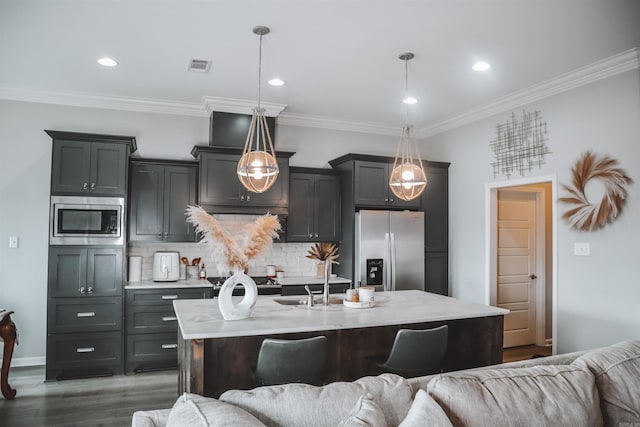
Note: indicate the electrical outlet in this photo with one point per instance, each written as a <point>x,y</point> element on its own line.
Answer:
<point>581,249</point>
<point>13,242</point>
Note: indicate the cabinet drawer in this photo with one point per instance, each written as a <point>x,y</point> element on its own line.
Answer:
<point>164,296</point>
<point>80,315</point>
<point>157,318</point>
<point>72,355</point>
<point>152,351</point>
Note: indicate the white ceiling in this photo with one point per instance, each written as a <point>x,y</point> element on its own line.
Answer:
<point>339,58</point>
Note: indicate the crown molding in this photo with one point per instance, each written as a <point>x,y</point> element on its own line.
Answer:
<point>608,67</point>
<point>239,106</point>
<point>318,122</point>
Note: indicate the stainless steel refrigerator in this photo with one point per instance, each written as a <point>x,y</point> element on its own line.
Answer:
<point>389,249</point>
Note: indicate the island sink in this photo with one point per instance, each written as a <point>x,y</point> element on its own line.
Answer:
<point>298,301</point>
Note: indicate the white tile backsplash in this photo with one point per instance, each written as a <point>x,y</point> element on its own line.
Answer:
<point>288,257</point>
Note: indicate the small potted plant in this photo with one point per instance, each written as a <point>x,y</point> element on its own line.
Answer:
<point>328,254</point>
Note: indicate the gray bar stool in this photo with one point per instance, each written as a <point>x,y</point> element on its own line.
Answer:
<point>291,361</point>
<point>415,353</point>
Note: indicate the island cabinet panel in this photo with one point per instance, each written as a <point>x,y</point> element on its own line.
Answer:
<point>160,193</point>
<point>152,327</point>
<point>314,206</point>
<point>220,190</point>
<point>83,167</point>
<point>212,366</point>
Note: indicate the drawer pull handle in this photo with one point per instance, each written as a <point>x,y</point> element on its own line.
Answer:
<point>85,350</point>
<point>169,296</point>
<point>169,318</point>
<point>86,314</point>
<point>168,346</point>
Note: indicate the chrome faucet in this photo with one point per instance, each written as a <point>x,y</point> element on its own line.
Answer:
<point>309,296</point>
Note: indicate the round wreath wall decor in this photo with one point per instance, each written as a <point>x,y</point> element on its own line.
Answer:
<point>587,216</point>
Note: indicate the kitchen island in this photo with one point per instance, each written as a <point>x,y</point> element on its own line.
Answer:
<point>215,355</point>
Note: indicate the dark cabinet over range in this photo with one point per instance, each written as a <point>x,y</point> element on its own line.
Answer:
<point>314,205</point>
<point>160,192</point>
<point>89,164</point>
<point>220,190</point>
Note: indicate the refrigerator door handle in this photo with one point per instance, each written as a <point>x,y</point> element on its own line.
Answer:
<point>393,262</point>
<point>387,263</point>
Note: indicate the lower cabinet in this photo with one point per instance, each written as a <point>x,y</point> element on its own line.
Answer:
<point>75,355</point>
<point>152,329</point>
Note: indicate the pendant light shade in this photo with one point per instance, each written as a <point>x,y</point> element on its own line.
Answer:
<point>258,169</point>
<point>407,180</point>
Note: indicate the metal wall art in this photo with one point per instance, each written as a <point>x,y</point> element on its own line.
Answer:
<point>519,144</point>
<point>587,216</point>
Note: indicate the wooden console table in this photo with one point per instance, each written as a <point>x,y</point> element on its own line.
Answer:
<point>8,335</point>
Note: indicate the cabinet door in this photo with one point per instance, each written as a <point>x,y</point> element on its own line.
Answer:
<point>278,194</point>
<point>327,208</point>
<point>436,273</point>
<point>70,167</point>
<point>301,207</point>
<point>179,192</point>
<point>67,271</point>
<point>435,204</point>
<point>147,204</point>
<point>219,183</point>
<point>371,183</point>
<point>104,272</point>
<point>108,169</point>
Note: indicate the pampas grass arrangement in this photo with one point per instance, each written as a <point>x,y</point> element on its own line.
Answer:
<point>232,253</point>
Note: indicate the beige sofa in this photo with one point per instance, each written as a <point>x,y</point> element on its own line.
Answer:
<point>595,388</point>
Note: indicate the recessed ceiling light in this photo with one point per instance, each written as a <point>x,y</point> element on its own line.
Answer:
<point>410,100</point>
<point>107,62</point>
<point>481,66</point>
<point>276,82</point>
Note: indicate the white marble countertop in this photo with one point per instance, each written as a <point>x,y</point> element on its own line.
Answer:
<point>202,318</point>
<point>150,284</point>
<point>309,280</point>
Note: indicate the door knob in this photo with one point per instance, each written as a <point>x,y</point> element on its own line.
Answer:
<point>533,276</point>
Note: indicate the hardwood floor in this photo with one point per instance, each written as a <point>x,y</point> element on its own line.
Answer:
<point>106,401</point>
<point>525,352</point>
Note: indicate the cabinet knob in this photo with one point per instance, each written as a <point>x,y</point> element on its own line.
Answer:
<point>93,186</point>
<point>316,235</point>
<point>242,198</point>
<point>390,200</point>
<point>85,186</point>
<point>386,199</point>
<point>248,198</point>
<point>82,289</point>
<point>89,290</point>
<point>166,234</point>
<point>310,235</point>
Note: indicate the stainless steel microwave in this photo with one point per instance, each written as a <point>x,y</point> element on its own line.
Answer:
<point>86,220</point>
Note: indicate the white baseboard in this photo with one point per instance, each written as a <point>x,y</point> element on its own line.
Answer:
<point>27,361</point>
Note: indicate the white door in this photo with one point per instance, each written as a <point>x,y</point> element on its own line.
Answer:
<point>516,266</point>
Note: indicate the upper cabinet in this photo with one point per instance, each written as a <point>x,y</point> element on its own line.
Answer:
<point>220,190</point>
<point>90,164</point>
<point>160,193</point>
<point>368,182</point>
<point>435,204</point>
<point>314,206</point>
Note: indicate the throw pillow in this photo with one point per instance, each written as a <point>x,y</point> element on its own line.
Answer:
<point>425,411</point>
<point>538,396</point>
<point>192,410</point>
<point>617,372</point>
<point>365,414</point>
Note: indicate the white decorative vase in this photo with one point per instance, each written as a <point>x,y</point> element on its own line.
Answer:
<point>242,310</point>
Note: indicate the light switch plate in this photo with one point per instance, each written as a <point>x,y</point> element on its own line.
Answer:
<point>13,242</point>
<point>582,249</point>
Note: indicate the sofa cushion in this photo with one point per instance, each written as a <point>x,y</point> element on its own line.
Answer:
<point>365,414</point>
<point>617,372</point>
<point>425,411</point>
<point>306,405</point>
<point>192,410</point>
<point>536,396</point>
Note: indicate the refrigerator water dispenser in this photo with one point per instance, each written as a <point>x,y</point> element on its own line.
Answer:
<point>374,272</point>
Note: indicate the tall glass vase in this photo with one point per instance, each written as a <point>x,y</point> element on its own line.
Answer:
<point>327,274</point>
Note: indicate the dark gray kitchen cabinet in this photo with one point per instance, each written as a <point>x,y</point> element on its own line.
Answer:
<point>84,315</point>
<point>436,275</point>
<point>81,271</point>
<point>89,164</point>
<point>314,206</point>
<point>152,328</point>
<point>83,354</point>
<point>371,186</point>
<point>160,193</point>
<point>220,190</point>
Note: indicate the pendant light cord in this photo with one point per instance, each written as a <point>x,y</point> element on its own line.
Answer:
<point>259,71</point>
<point>406,88</point>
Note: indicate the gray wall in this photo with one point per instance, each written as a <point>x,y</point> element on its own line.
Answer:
<point>598,296</point>
<point>25,167</point>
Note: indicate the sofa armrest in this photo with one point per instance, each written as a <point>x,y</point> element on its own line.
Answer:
<point>157,418</point>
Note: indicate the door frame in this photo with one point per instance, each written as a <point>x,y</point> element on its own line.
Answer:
<point>491,252</point>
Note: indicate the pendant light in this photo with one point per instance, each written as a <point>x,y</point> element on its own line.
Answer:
<point>258,168</point>
<point>407,180</point>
